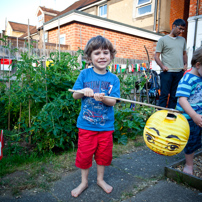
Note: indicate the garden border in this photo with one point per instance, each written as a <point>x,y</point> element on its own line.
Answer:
<point>181,177</point>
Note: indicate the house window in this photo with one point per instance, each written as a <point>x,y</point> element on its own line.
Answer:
<point>40,20</point>
<point>62,39</point>
<point>143,7</point>
<point>39,17</point>
<point>103,11</point>
<point>46,37</point>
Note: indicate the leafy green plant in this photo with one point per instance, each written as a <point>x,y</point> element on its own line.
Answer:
<point>128,124</point>
<point>39,103</point>
<point>55,125</point>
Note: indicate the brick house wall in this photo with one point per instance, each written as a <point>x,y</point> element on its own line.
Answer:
<point>192,8</point>
<point>127,46</point>
<point>179,9</point>
<point>176,10</point>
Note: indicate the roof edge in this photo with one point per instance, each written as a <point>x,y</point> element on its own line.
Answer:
<point>100,18</point>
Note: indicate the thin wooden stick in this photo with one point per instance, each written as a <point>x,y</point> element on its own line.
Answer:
<point>131,101</point>
<point>175,68</point>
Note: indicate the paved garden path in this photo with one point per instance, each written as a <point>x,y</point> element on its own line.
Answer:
<point>136,177</point>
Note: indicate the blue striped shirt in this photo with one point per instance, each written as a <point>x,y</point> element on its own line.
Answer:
<point>190,86</point>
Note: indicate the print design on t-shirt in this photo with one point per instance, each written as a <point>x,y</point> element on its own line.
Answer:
<point>95,111</point>
<point>197,96</point>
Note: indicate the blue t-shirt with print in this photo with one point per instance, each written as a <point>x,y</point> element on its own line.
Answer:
<point>190,86</point>
<point>95,115</point>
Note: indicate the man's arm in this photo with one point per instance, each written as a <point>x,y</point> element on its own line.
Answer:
<point>185,60</point>
<point>158,61</point>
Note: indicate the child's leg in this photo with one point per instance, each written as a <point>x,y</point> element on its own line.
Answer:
<point>100,179</point>
<point>86,149</point>
<point>188,168</point>
<point>84,183</point>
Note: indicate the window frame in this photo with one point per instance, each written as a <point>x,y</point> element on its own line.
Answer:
<point>40,20</point>
<point>150,1</point>
<point>136,7</point>
<point>62,36</point>
<point>46,37</point>
<point>99,14</point>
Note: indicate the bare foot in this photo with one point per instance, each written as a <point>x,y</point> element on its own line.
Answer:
<point>188,169</point>
<point>78,190</point>
<point>106,187</point>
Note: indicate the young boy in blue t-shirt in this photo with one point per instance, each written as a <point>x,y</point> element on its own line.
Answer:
<point>189,92</point>
<point>96,118</point>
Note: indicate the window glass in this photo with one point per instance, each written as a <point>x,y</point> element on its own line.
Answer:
<point>46,37</point>
<point>144,10</point>
<point>103,11</point>
<point>40,23</point>
<point>39,17</point>
<point>62,39</point>
<point>142,2</point>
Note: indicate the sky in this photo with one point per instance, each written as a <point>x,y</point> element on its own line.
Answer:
<point>22,10</point>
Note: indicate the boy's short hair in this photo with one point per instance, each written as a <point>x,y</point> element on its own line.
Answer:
<point>96,43</point>
<point>197,56</point>
<point>179,22</point>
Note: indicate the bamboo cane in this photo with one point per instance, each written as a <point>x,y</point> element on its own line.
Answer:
<point>147,69</point>
<point>44,63</point>
<point>30,138</point>
<point>9,84</point>
<point>20,107</point>
<point>175,69</point>
<point>131,101</point>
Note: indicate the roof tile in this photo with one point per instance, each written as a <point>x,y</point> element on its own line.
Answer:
<point>33,30</point>
<point>19,27</point>
<point>77,5</point>
<point>49,10</point>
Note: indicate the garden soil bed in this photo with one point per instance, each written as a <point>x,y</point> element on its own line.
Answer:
<point>175,172</point>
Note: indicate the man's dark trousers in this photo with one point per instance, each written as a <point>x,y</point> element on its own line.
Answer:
<point>169,83</point>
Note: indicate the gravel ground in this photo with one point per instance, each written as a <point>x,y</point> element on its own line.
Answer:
<point>197,167</point>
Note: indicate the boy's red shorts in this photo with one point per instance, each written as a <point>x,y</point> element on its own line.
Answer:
<point>98,143</point>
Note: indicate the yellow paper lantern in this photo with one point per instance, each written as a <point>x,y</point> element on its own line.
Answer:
<point>166,135</point>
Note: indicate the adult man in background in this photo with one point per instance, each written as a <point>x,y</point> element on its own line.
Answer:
<point>173,62</point>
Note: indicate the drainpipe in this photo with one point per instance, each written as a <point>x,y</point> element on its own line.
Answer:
<point>196,23</point>
<point>155,12</point>
<point>159,15</point>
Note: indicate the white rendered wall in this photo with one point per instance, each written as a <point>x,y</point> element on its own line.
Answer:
<point>190,36</point>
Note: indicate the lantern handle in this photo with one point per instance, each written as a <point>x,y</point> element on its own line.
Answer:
<point>131,101</point>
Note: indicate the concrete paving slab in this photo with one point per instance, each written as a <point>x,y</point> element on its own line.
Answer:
<point>125,174</point>
<point>145,163</point>
<point>166,191</point>
<point>33,197</point>
<point>120,180</point>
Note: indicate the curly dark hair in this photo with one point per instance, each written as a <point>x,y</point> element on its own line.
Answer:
<point>96,43</point>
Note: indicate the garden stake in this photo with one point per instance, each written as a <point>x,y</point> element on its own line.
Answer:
<point>131,101</point>
<point>30,138</point>
<point>148,67</point>
<point>9,84</point>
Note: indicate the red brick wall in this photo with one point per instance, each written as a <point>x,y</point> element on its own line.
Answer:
<point>179,9</point>
<point>176,10</point>
<point>192,8</point>
<point>127,46</point>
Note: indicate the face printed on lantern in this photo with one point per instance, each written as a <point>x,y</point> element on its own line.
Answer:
<point>165,135</point>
